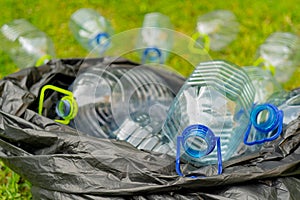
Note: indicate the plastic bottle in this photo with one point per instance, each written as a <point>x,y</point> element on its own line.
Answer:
<point>280,54</point>
<point>25,44</point>
<point>211,112</point>
<point>154,40</point>
<point>91,30</point>
<point>263,110</point>
<point>121,103</point>
<point>215,30</point>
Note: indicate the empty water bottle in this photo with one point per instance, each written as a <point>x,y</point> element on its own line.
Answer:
<point>118,102</point>
<point>215,30</point>
<point>265,116</point>
<point>91,30</point>
<point>154,39</point>
<point>26,45</point>
<point>264,83</point>
<point>280,54</point>
<point>210,114</point>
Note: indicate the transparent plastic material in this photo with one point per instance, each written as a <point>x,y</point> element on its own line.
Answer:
<point>156,37</point>
<point>264,83</point>
<point>265,117</point>
<point>91,30</point>
<point>280,54</point>
<point>26,45</point>
<point>291,109</point>
<point>212,107</point>
<point>219,28</point>
<point>132,103</point>
<point>289,103</point>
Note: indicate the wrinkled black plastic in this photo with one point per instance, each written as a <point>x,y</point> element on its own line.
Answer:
<point>64,164</point>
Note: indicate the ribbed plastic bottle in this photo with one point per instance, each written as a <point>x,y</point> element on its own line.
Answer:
<point>26,45</point>
<point>154,40</point>
<point>121,103</point>
<point>91,30</point>
<point>210,114</point>
<point>216,29</point>
<point>280,54</point>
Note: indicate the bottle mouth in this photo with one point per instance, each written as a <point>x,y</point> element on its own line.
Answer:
<point>152,54</point>
<point>270,112</point>
<point>66,108</point>
<point>274,120</point>
<point>198,140</point>
<point>101,40</point>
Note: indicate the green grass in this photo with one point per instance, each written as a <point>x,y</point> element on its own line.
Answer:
<point>12,186</point>
<point>258,20</point>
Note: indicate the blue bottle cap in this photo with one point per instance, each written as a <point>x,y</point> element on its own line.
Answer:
<point>102,40</point>
<point>274,121</point>
<point>271,123</point>
<point>153,53</point>
<point>198,140</point>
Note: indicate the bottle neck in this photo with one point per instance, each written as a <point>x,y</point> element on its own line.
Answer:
<point>264,117</point>
<point>66,108</point>
<point>198,140</point>
<point>152,54</point>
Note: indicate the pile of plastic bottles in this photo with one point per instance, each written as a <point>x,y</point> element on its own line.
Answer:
<point>220,110</point>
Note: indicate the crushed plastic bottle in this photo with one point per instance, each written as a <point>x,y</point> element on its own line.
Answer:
<point>26,45</point>
<point>154,39</point>
<point>91,30</point>
<point>215,30</point>
<point>211,112</point>
<point>280,54</point>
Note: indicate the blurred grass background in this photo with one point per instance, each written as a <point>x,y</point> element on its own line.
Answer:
<point>258,19</point>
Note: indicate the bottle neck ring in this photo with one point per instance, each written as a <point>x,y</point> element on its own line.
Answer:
<point>198,140</point>
<point>272,120</point>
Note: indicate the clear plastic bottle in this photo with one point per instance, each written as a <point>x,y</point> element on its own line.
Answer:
<point>220,27</point>
<point>280,54</point>
<point>211,112</point>
<point>91,30</point>
<point>26,45</point>
<point>121,103</point>
<point>265,116</point>
<point>154,39</point>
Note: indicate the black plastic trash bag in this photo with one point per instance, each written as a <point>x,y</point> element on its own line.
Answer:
<point>62,163</point>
